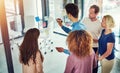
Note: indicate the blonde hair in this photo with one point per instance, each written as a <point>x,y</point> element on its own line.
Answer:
<point>109,21</point>
<point>80,43</point>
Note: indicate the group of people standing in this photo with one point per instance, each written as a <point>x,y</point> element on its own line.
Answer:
<point>81,59</point>
<point>85,49</point>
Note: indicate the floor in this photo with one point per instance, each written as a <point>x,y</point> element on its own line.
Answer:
<point>54,62</point>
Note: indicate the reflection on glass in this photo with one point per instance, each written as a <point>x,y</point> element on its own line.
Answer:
<point>0,36</point>
<point>112,7</point>
<point>14,30</point>
<point>3,65</point>
<point>13,18</point>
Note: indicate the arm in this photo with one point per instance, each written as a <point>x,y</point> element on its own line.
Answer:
<point>108,52</point>
<point>60,49</point>
<point>95,40</point>
<point>69,65</point>
<point>59,21</point>
<point>67,30</point>
<point>95,36</point>
<point>39,66</point>
<point>97,55</point>
<point>95,62</point>
<point>66,51</point>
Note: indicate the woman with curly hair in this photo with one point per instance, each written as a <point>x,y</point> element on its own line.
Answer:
<point>82,58</point>
<point>30,56</point>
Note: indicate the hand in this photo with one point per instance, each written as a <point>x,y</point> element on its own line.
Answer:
<point>59,21</point>
<point>100,58</point>
<point>59,49</point>
<point>95,40</point>
<point>97,56</point>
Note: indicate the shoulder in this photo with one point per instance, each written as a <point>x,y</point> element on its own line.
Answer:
<point>86,18</point>
<point>111,36</point>
<point>38,53</point>
<point>92,53</point>
<point>71,56</point>
<point>103,30</point>
<point>98,22</point>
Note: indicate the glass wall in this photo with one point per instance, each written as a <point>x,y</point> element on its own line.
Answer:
<point>57,10</point>
<point>14,25</point>
<point>13,18</point>
<point>112,8</point>
<point>88,3</point>
<point>0,36</point>
<point>3,65</point>
<point>5,55</point>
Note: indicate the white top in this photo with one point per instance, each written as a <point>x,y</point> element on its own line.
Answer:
<point>94,27</point>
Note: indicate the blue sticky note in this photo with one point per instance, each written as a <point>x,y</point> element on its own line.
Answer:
<point>37,19</point>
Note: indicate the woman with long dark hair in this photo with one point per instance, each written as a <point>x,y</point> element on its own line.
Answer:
<point>30,56</point>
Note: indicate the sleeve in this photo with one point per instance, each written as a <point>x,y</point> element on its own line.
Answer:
<point>69,65</point>
<point>66,51</point>
<point>39,66</point>
<point>67,30</point>
<point>95,62</point>
<point>111,38</point>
